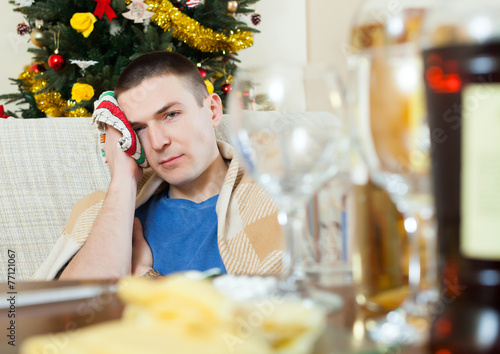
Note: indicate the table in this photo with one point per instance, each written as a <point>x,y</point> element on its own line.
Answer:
<point>92,303</point>
<point>58,316</point>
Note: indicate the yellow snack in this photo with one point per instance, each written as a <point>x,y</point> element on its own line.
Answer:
<point>179,315</point>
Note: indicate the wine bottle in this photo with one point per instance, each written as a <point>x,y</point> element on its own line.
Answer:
<point>462,78</point>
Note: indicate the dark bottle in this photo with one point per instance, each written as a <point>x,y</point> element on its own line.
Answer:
<point>462,79</point>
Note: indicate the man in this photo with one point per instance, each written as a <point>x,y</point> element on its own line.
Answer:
<point>166,101</point>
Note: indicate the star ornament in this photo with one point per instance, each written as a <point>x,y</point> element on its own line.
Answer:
<point>83,64</point>
<point>138,11</point>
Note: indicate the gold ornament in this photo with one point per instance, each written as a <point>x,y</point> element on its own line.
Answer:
<point>232,5</point>
<point>36,36</point>
<point>50,102</point>
<point>195,35</point>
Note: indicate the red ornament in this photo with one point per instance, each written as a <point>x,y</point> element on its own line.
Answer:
<point>2,112</point>
<point>226,88</point>
<point>37,68</point>
<point>255,19</point>
<point>22,29</point>
<point>203,72</point>
<point>57,61</point>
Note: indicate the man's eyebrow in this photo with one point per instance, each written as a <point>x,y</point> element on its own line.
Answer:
<point>165,108</point>
<point>157,113</point>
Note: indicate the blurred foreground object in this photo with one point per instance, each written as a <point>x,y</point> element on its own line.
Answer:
<point>395,262</point>
<point>462,75</point>
<point>186,314</point>
<point>287,126</point>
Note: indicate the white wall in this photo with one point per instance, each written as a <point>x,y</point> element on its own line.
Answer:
<point>283,32</point>
<point>302,31</point>
<point>291,30</point>
<point>329,23</point>
<point>14,49</point>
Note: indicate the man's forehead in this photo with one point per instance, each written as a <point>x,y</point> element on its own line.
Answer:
<point>147,87</point>
<point>159,89</point>
<point>152,84</point>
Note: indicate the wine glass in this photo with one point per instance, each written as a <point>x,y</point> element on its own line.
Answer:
<point>287,127</point>
<point>394,140</point>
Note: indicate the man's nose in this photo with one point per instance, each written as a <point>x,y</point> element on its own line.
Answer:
<point>158,137</point>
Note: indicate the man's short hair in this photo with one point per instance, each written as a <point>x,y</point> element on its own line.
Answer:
<point>162,63</point>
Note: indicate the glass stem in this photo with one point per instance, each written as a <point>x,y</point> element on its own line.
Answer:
<point>421,277</point>
<point>414,270</point>
<point>292,221</point>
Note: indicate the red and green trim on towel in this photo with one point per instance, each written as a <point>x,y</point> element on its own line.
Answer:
<point>107,111</point>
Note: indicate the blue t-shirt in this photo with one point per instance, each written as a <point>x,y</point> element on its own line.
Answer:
<point>182,234</point>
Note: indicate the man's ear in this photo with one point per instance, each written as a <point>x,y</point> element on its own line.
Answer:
<point>214,104</point>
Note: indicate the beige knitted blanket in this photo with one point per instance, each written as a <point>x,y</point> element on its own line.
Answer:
<point>249,235</point>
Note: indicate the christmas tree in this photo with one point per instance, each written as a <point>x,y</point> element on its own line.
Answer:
<point>81,46</point>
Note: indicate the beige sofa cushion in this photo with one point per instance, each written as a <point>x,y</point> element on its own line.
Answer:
<point>46,165</point>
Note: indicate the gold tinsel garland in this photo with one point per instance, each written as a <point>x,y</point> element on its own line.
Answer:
<point>50,102</point>
<point>192,33</point>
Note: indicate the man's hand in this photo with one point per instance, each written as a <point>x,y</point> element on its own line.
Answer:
<point>118,161</point>
<point>107,253</point>
<point>142,257</point>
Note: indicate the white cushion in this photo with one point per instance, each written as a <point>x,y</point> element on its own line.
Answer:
<point>46,165</point>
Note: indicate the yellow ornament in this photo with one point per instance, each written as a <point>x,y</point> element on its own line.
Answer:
<point>210,86</point>
<point>82,92</point>
<point>83,22</point>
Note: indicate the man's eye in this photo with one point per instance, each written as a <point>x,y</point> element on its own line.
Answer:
<point>138,130</point>
<point>171,115</point>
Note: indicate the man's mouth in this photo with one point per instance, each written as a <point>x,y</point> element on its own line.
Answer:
<point>170,161</point>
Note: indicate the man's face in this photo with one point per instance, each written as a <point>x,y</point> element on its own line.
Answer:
<point>176,133</point>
